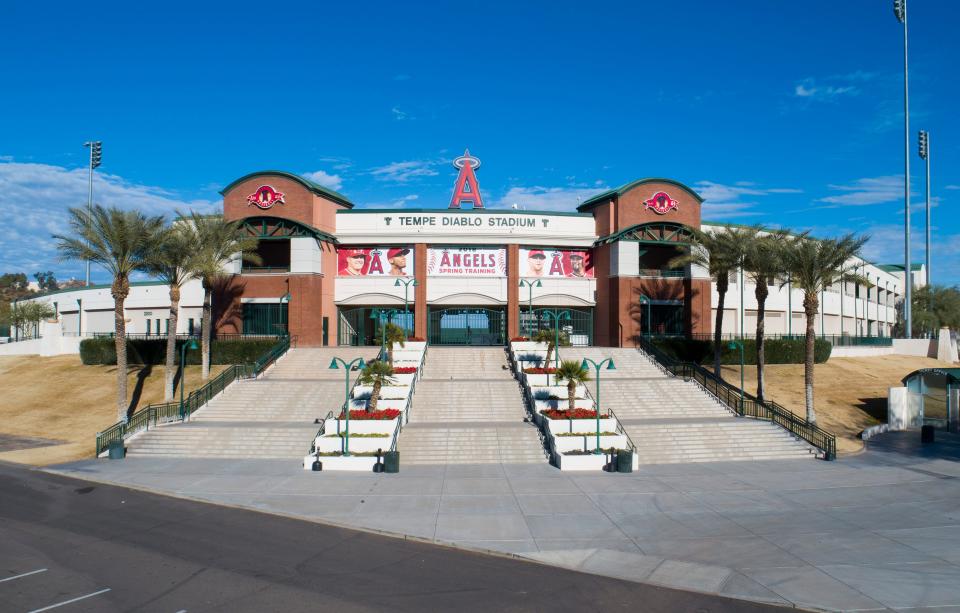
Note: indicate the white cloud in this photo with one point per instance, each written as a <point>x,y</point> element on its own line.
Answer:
<point>6,158</point>
<point>728,201</point>
<point>325,179</point>
<point>809,89</point>
<point>539,198</point>
<point>401,172</point>
<point>867,191</point>
<point>40,195</point>
<point>952,187</point>
<point>400,115</point>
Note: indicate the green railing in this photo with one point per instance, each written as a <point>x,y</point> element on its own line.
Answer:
<point>168,412</point>
<point>837,340</point>
<point>746,405</point>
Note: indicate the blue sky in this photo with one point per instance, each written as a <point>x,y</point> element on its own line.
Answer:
<point>782,113</point>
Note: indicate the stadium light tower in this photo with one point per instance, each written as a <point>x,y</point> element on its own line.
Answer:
<point>96,149</point>
<point>900,10</point>
<point>925,156</point>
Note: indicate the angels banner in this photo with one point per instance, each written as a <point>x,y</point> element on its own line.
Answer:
<point>375,261</point>
<point>467,261</point>
<point>565,263</point>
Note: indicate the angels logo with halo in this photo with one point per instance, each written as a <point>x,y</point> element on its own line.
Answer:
<point>661,203</point>
<point>265,197</point>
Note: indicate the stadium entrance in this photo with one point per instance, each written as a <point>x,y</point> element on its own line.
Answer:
<point>467,326</point>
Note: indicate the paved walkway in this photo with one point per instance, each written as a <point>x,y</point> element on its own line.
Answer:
<point>874,532</point>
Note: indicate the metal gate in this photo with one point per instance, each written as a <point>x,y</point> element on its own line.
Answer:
<point>577,322</point>
<point>466,326</point>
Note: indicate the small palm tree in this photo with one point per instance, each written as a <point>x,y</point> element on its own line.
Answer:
<point>549,337</point>
<point>376,373</point>
<point>393,334</point>
<point>762,263</point>
<point>574,374</point>
<point>721,253</point>
<point>172,263</point>
<point>815,265</point>
<point>120,241</point>
<point>217,242</point>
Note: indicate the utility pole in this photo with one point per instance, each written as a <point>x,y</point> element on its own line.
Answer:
<point>900,10</point>
<point>95,157</point>
<point>925,156</point>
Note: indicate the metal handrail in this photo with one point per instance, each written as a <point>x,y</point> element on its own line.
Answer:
<point>622,430</point>
<point>320,432</point>
<point>744,404</point>
<point>413,389</point>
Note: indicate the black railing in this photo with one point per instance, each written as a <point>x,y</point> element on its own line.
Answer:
<point>141,336</point>
<point>745,404</point>
<point>837,340</point>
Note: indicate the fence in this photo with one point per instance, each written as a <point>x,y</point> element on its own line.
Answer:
<point>169,412</point>
<point>744,404</point>
<point>837,340</point>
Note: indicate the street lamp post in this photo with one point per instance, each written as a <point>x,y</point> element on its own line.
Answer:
<point>900,10</point>
<point>735,345</point>
<point>382,316</point>
<point>530,285</point>
<point>645,300</point>
<point>286,297</point>
<point>406,283</point>
<point>597,367</point>
<point>925,156</point>
<point>192,346</point>
<point>347,367</point>
<point>557,316</point>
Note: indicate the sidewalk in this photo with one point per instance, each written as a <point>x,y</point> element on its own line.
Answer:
<point>875,532</point>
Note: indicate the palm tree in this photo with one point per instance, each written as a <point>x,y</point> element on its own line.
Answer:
<point>815,265</point>
<point>172,262</point>
<point>763,262</point>
<point>376,373</point>
<point>720,253</point>
<point>393,334</point>
<point>120,241</point>
<point>574,374</point>
<point>549,337</point>
<point>216,243</point>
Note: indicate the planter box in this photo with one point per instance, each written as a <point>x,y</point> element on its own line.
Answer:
<point>420,346</point>
<point>358,404</point>
<point>407,354</point>
<point>404,380</point>
<point>352,463</point>
<point>528,346</point>
<point>361,444</point>
<point>525,359</point>
<point>387,391</point>
<point>362,426</point>
<point>542,392</point>
<point>580,403</point>
<point>581,462</point>
<point>540,380</point>
<point>588,442</point>
<point>607,424</point>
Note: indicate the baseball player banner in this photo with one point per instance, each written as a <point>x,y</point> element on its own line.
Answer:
<point>566,263</point>
<point>375,261</point>
<point>466,261</point>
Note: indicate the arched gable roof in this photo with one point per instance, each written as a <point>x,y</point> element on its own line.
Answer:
<point>310,185</point>
<point>603,197</point>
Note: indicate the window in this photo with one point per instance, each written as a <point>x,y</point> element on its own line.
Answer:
<point>269,318</point>
<point>274,257</point>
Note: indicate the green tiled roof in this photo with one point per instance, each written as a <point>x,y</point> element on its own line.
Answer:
<point>313,187</point>
<point>899,267</point>
<point>599,198</point>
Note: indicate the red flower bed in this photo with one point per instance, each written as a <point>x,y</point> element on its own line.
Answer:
<point>386,414</point>
<point>404,370</point>
<point>519,339</point>
<point>574,414</point>
<point>540,371</point>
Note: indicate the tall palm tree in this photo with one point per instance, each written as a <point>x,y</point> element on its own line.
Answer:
<point>120,241</point>
<point>815,265</point>
<point>216,243</point>
<point>762,263</point>
<point>574,374</point>
<point>376,373</point>
<point>172,263</point>
<point>721,253</point>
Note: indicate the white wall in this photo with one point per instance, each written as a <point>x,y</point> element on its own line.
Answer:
<point>305,255</point>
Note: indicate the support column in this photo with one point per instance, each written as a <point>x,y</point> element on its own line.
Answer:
<point>513,291</point>
<point>420,291</point>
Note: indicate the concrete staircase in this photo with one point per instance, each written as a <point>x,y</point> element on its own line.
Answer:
<point>269,417</point>
<point>468,409</point>
<point>672,421</point>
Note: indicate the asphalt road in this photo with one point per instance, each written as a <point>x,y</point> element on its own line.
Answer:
<point>69,546</point>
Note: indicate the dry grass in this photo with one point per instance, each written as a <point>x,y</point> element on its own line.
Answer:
<point>60,398</point>
<point>850,394</point>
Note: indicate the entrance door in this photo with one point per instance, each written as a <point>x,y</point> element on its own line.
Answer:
<point>466,326</point>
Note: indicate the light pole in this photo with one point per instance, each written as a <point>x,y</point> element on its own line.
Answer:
<point>284,331</point>
<point>597,367</point>
<point>645,300</point>
<point>925,156</point>
<point>96,149</point>
<point>530,285</point>
<point>557,316</point>
<point>378,314</point>
<point>192,346</point>
<point>406,287</point>
<point>900,10</point>
<point>347,367</point>
<point>735,345</point>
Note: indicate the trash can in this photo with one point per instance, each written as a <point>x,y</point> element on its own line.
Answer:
<point>926,434</point>
<point>116,450</point>
<point>391,462</point>
<point>624,461</point>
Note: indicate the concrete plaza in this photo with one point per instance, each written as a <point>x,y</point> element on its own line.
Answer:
<point>877,531</point>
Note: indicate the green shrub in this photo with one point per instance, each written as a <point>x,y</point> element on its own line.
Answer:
<point>154,351</point>
<point>776,351</point>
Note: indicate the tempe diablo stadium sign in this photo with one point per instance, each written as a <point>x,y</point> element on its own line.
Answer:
<point>466,262</point>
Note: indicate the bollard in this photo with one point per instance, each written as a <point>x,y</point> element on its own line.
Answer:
<point>378,465</point>
<point>317,465</point>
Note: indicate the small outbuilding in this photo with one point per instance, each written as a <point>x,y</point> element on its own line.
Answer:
<point>937,390</point>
